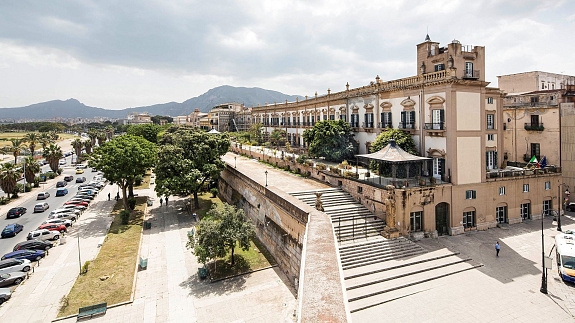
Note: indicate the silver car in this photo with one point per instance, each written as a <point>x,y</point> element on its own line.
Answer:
<point>5,294</point>
<point>13,265</point>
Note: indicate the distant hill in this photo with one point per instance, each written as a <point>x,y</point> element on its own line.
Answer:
<point>73,108</point>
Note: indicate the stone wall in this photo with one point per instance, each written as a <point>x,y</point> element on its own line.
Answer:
<point>280,222</point>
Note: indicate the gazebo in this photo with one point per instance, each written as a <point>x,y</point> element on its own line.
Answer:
<point>394,155</point>
<point>213,131</point>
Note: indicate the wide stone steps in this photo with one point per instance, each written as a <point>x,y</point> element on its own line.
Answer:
<point>402,251</point>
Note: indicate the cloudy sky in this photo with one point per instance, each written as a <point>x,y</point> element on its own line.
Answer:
<point>118,54</point>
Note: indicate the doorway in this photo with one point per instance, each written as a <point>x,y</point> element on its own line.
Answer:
<point>442,218</point>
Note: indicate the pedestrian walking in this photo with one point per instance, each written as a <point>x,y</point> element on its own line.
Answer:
<point>108,196</point>
<point>117,197</point>
<point>161,201</point>
<point>166,201</point>
<point>497,248</point>
<point>195,216</point>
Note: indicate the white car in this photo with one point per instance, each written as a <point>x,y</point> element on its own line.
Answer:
<point>62,162</point>
<point>81,166</point>
<point>66,222</point>
<point>73,207</point>
<point>43,234</point>
<point>68,210</point>
<point>62,215</point>
<point>41,207</point>
<point>11,265</point>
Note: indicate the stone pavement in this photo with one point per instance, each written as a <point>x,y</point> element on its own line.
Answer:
<point>171,291</point>
<point>38,298</point>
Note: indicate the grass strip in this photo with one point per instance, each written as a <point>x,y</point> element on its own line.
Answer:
<point>110,276</point>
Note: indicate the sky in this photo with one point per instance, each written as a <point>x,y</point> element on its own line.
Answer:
<point>120,54</point>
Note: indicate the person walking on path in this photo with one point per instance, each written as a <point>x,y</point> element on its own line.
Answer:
<point>497,248</point>
<point>166,200</point>
<point>108,196</point>
<point>195,217</point>
<point>161,201</point>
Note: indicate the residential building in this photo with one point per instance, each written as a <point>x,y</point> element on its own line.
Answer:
<point>139,118</point>
<point>533,81</point>
<point>456,120</point>
<point>230,117</point>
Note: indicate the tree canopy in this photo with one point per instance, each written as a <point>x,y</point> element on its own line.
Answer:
<point>402,139</point>
<point>187,158</point>
<point>331,139</point>
<point>9,176</point>
<point>148,131</point>
<point>53,154</point>
<point>122,159</point>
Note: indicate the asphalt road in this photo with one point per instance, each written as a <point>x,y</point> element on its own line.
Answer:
<point>31,220</point>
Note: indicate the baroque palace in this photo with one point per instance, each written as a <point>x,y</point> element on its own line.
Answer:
<point>456,121</point>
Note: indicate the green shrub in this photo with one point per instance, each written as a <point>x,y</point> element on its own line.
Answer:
<point>214,192</point>
<point>125,216</point>
<point>132,203</point>
<point>59,171</point>
<point>349,174</point>
<point>85,268</point>
<point>301,159</point>
<point>4,200</point>
<point>138,180</point>
<point>321,166</point>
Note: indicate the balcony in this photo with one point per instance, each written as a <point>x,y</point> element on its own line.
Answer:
<point>435,126</point>
<point>471,74</point>
<point>406,126</point>
<point>534,126</point>
<point>368,125</point>
<point>517,170</point>
<point>354,124</point>
<point>385,125</point>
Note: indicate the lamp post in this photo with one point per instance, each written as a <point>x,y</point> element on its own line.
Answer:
<point>266,178</point>
<point>564,202</point>
<point>543,288</point>
<point>235,162</point>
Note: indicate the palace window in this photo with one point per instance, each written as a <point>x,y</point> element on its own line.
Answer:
<point>489,100</point>
<point>368,117</point>
<point>547,185</point>
<point>491,159</point>
<point>525,188</point>
<point>407,120</point>
<point>490,121</point>
<point>386,120</point>
<point>416,221</point>
<point>470,195</point>
<point>502,190</point>
<point>526,211</point>
<point>501,214</point>
<point>439,67</point>
<point>354,120</point>
<point>469,219</point>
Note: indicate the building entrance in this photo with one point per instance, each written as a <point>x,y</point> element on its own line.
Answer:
<point>442,218</point>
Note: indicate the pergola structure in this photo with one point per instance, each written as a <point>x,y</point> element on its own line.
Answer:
<point>394,155</point>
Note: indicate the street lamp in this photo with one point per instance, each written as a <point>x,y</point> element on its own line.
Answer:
<point>266,178</point>
<point>543,288</point>
<point>235,162</point>
<point>567,193</point>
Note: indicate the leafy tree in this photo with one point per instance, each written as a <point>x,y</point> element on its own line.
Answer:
<point>156,119</point>
<point>256,132</point>
<point>277,137</point>
<point>402,139</point>
<point>149,131</point>
<point>31,169</point>
<point>122,159</point>
<point>207,243</point>
<point>331,139</point>
<point>9,176</point>
<point>52,127</point>
<point>53,154</point>
<point>187,158</point>
<point>234,227</point>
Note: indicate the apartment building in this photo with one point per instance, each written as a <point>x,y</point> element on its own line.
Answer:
<point>228,117</point>
<point>456,120</point>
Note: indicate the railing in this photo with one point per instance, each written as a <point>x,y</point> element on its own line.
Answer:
<point>354,124</point>
<point>471,74</point>
<point>386,125</point>
<point>435,126</point>
<point>368,124</point>
<point>534,126</point>
<point>508,173</point>
<point>530,104</point>
<point>406,126</point>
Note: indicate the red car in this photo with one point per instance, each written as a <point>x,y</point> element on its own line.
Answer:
<point>53,227</point>
<point>77,203</point>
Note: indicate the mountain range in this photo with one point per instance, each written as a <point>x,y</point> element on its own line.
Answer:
<point>73,108</point>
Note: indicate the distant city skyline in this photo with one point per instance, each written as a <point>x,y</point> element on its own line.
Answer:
<point>127,54</point>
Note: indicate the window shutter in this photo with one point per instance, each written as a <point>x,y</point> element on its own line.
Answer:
<point>412,117</point>
<point>486,160</point>
<point>403,117</point>
<point>442,165</point>
<point>441,115</point>
<point>495,159</point>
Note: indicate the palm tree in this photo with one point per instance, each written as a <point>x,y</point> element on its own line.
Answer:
<point>53,135</point>
<point>9,176</point>
<point>53,154</point>
<point>93,134</point>
<point>15,149</point>
<point>78,145</point>
<point>45,140</point>
<point>101,137</point>
<point>31,169</point>
<point>32,138</point>
<point>88,146</point>
<point>110,132</point>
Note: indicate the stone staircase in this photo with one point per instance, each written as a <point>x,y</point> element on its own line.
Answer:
<point>350,219</point>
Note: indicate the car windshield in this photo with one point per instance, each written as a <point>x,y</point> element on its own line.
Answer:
<point>5,276</point>
<point>568,262</point>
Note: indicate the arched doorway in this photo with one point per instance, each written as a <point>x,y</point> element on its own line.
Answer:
<point>442,218</point>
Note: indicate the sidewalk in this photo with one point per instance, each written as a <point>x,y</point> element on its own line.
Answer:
<point>170,290</point>
<point>38,298</point>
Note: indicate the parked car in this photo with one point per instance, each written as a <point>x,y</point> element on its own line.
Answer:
<point>88,190</point>
<point>84,195</point>
<point>11,230</point>
<point>76,203</point>
<point>63,215</point>
<point>16,212</point>
<point>69,178</point>
<point>72,210</point>
<point>61,218</point>
<point>73,207</point>
<point>32,255</point>
<point>5,294</point>
<point>62,162</point>
<point>53,227</point>
<point>61,183</point>
<point>81,166</point>
<point>43,196</point>
<point>61,192</point>
<point>13,278</point>
<point>41,207</point>
<point>33,244</point>
<point>80,179</point>
<point>14,265</point>
<point>79,171</point>
<point>43,235</point>
<point>570,207</point>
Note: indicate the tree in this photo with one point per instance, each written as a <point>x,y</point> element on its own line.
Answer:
<point>31,169</point>
<point>331,139</point>
<point>157,119</point>
<point>187,158</point>
<point>52,127</point>
<point>54,135</point>
<point>149,131</point>
<point>88,146</point>
<point>402,139</point>
<point>122,159</point>
<point>53,154</point>
<point>9,176</point>
<point>93,134</point>
<point>15,149</point>
<point>110,132</point>
<point>32,138</point>
<point>235,228</point>
<point>45,140</point>
<point>277,137</point>
<point>77,144</point>
<point>256,132</point>
<point>207,243</point>
<point>102,136</point>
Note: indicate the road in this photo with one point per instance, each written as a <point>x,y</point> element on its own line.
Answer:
<point>32,220</point>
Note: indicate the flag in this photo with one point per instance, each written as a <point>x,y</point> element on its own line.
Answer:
<point>543,162</point>
<point>533,160</point>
